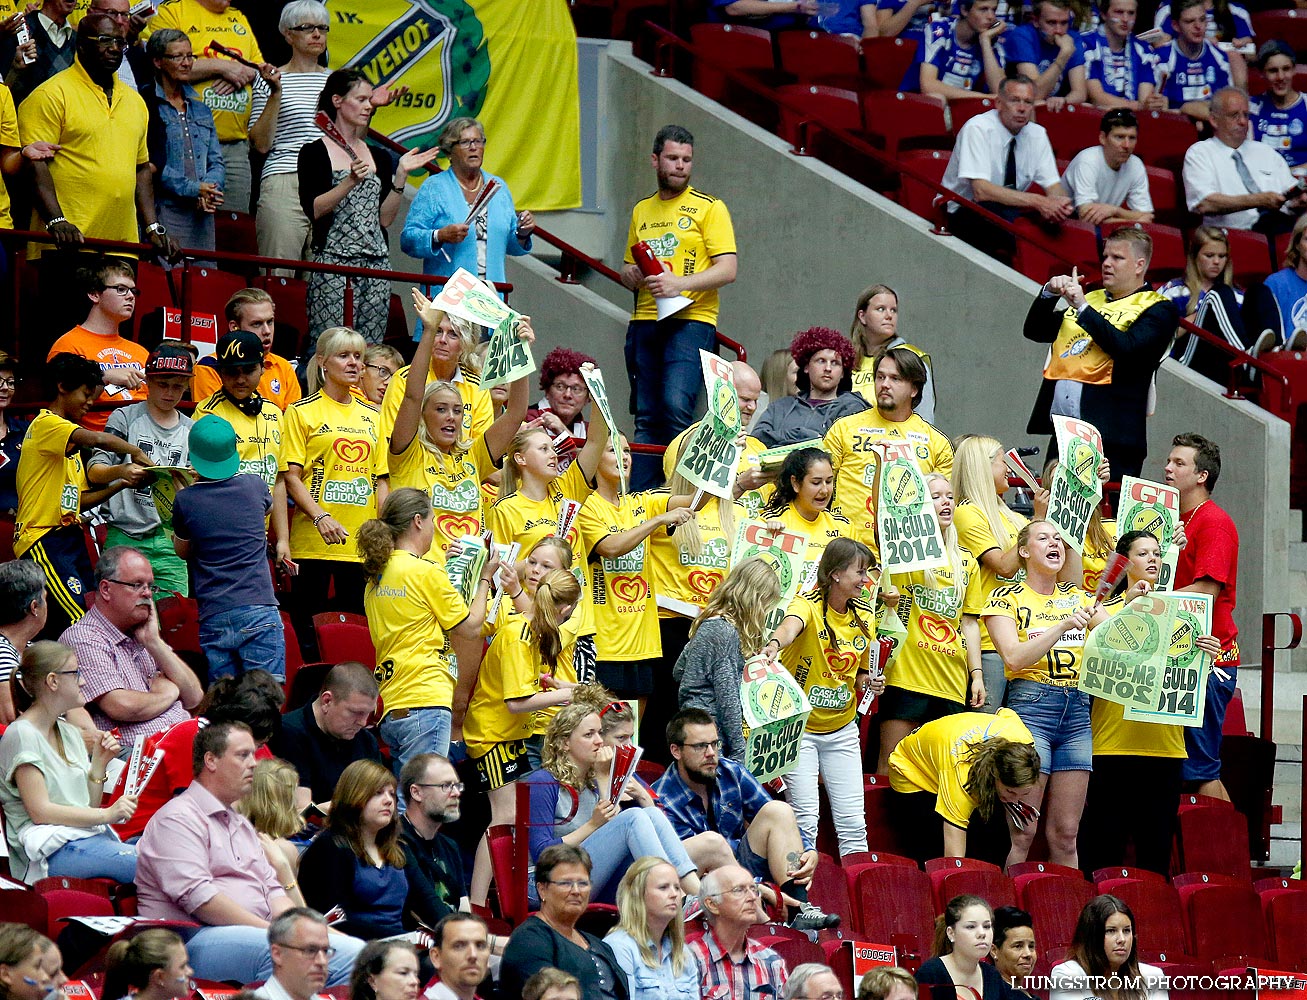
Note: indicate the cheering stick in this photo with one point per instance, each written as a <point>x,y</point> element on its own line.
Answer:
<point>329,129</point>
<point>222,50</point>
<point>1112,573</point>
<point>1013,461</point>
<point>486,194</point>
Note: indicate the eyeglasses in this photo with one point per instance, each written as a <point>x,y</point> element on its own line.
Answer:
<point>8,383</point>
<point>144,587</point>
<point>563,389</point>
<point>180,57</point>
<point>60,673</point>
<point>109,41</point>
<point>837,995</point>
<point>121,15</point>
<point>306,28</point>
<point>120,289</point>
<point>470,143</point>
<point>740,891</point>
<point>571,885</point>
<point>713,745</point>
<point>383,373</point>
<point>445,786</point>
<point>313,951</point>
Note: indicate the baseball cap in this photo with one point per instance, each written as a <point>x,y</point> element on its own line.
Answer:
<point>168,359</point>
<point>1275,47</point>
<point>212,446</point>
<point>238,348</point>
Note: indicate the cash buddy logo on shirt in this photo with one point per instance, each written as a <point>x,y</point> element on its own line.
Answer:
<point>446,33</point>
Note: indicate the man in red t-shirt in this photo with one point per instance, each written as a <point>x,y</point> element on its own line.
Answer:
<point>1209,564</point>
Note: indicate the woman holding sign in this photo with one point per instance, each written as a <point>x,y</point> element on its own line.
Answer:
<point>801,504</point>
<point>428,448</point>
<point>824,641</point>
<point>571,804</point>
<point>1134,790</point>
<point>939,611</point>
<point>1039,628</point>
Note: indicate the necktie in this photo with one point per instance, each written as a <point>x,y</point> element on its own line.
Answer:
<point>1010,170</point>
<point>1244,175</point>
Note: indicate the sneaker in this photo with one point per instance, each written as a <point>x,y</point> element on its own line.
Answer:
<point>1298,342</point>
<point>813,918</point>
<point>1266,340</point>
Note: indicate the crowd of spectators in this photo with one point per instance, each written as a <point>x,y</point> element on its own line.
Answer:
<point>305,847</point>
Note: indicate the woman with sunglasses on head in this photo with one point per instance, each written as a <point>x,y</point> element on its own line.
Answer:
<point>51,787</point>
<point>430,449</point>
<point>151,966</point>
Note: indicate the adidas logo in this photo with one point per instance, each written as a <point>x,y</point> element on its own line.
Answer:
<point>325,429</point>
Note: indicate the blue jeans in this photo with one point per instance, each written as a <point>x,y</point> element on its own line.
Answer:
<point>633,833</point>
<point>666,377</point>
<point>241,955</point>
<point>241,639</point>
<point>1058,719</point>
<point>423,730</point>
<point>101,856</point>
<point>991,665</point>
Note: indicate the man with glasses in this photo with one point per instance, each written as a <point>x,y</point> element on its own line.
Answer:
<point>731,966</point>
<point>813,981</point>
<point>301,947</point>
<point>121,12</point>
<point>725,817</point>
<point>254,311</point>
<point>111,288</point>
<point>131,678</point>
<point>433,863</point>
<point>200,860</point>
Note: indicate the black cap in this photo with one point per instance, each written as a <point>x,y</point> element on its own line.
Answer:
<point>1275,47</point>
<point>169,359</point>
<point>237,349</point>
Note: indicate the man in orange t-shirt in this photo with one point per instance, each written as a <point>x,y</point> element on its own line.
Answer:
<point>111,287</point>
<point>252,309</point>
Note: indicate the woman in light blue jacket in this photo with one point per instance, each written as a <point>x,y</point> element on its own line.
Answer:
<point>649,941</point>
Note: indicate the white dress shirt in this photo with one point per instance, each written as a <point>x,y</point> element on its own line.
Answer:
<point>1209,168</point>
<point>1088,179</point>
<point>981,154</point>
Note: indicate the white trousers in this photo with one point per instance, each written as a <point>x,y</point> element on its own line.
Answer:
<point>838,756</point>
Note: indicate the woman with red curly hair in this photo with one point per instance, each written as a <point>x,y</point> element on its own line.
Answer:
<point>825,381</point>
<point>561,410</point>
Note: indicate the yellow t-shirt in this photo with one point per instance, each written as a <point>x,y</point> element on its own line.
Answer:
<point>454,483</point>
<point>51,480</point>
<point>820,531</point>
<point>977,537</point>
<point>231,113</point>
<point>689,579</point>
<point>685,234</point>
<point>9,136</point>
<point>510,669</point>
<point>625,606</point>
<point>864,375</point>
<point>933,658</point>
<point>849,442</point>
<point>1034,613</point>
<point>518,518</point>
<point>335,444</point>
<point>410,610</point>
<point>478,408</point>
<point>931,759</point>
<point>827,656</point>
<point>1095,562</point>
<point>278,384</point>
<point>108,353</point>
<point>103,143</point>
<point>258,438</point>
<point>1114,736</point>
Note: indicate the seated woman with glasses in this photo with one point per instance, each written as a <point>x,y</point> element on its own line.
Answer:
<point>571,804</point>
<point>357,863</point>
<point>50,786</point>
<point>550,938</point>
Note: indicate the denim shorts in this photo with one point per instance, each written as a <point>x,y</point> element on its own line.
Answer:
<point>1058,719</point>
<point>750,861</point>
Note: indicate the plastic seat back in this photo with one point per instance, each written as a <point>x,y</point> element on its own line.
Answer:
<point>1214,840</point>
<point>1285,911</point>
<point>733,46</point>
<point>1225,920</point>
<point>894,900</point>
<point>1054,903</point>
<point>1072,129</point>
<point>818,57</point>
<point>344,638</point>
<point>830,890</point>
<point>1138,874</point>
<point>900,120</point>
<point>885,60</point>
<point>1158,913</point>
<point>833,106</point>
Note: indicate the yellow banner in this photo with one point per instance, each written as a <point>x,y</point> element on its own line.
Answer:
<point>509,63</point>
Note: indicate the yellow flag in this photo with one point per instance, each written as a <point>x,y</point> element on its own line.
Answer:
<point>509,63</point>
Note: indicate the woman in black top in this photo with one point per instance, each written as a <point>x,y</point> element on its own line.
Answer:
<point>550,937</point>
<point>962,943</point>
<point>350,193</point>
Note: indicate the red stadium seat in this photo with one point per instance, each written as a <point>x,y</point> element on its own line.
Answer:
<point>830,105</point>
<point>830,890</point>
<point>1138,874</point>
<point>209,288</point>
<point>1054,903</point>
<point>649,770</point>
<point>795,951</point>
<point>1163,138</point>
<point>304,684</point>
<point>64,903</point>
<point>510,885</point>
<point>992,886</point>
<point>732,46</point>
<point>294,658</point>
<point>1042,868</point>
<point>898,120</point>
<point>885,60</point>
<point>23,906</point>
<point>1072,129</point>
<point>962,110</point>
<point>1169,256</point>
<point>1286,25</point>
<point>914,195</point>
<point>1168,199</point>
<point>346,636</point>
<point>1250,254</point>
<point>1186,880</point>
<point>894,900</point>
<point>291,298</point>
<point>819,57</point>
<point>880,830</point>
<point>1285,911</point>
<point>1265,885</point>
<point>153,291</point>
<point>1224,920</point>
<point>1213,839</point>
<point>1078,241</point>
<point>1157,911</point>
<point>1193,800</point>
<point>235,233</point>
<point>179,623</point>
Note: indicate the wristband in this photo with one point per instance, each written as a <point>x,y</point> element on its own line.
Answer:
<point>55,221</point>
<point>397,188</point>
<point>319,519</point>
<point>518,594</point>
<point>98,780</point>
<point>975,670</point>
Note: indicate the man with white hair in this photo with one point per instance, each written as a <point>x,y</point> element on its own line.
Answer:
<point>732,965</point>
<point>813,981</point>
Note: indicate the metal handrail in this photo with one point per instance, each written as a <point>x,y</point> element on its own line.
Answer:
<point>1269,649</point>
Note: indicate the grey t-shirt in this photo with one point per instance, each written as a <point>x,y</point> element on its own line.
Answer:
<point>132,511</point>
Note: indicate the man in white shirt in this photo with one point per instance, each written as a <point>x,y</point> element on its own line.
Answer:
<point>998,156</point>
<point>1233,181</point>
<point>301,949</point>
<point>1107,182</point>
<point>461,954</point>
